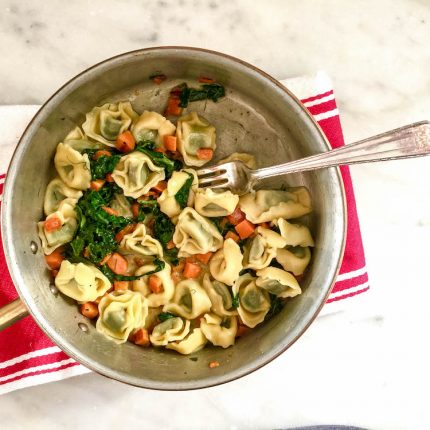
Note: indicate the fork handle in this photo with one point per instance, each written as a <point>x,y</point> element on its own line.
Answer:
<point>409,141</point>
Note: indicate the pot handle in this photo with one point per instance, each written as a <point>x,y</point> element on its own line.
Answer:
<point>11,313</point>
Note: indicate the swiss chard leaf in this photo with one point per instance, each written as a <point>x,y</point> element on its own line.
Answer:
<point>103,165</point>
<point>222,226</point>
<point>163,316</point>
<point>163,229</point>
<point>160,159</point>
<point>206,92</point>
<point>159,265</point>
<point>182,195</point>
<point>235,301</point>
<point>276,305</point>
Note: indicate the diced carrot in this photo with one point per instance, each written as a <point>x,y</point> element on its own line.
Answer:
<point>170,244</point>
<point>52,224</point>
<point>206,80</point>
<point>160,187</point>
<point>117,263</point>
<point>148,195</point>
<point>204,258</point>
<point>176,276</point>
<point>224,222</point>
<point>125,142</point>
<point>170,143</point>
<point>89,310</point>
<point>121,285</point>
<point>245,229</point>
<point>97,185</point>
<point>86,253</point>
<point>105,259</point>
<point>135,209</point>
<point>205,153</point>
<point>242,330</point>
<point>110,211</point>
<point>236,217</point>
<point>141,337</point>
<point>191,259</point>
<point>158,79</point>
<point>160,149</point>
<point>264,225</point>
<point>155,284</point>
<point>232,235</point>
<point>191,270</point>
<point>100,153</point>
<point>126,230</point>
<point>213,364</point>
<point>54,273</point>
<point>109,177</point>
<point>54,259</point>
<point>173,107</point>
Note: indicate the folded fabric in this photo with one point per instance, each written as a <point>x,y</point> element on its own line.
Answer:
<point>28,357</point>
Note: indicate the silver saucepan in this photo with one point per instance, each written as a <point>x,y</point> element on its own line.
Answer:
<point>259,116</point>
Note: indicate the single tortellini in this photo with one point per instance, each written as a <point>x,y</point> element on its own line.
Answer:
<point>56,192</point>
<point>171,330</point>
<point>194,342</point>
<point>81,282</point>
<point>121,205</point>
<point>77,140</point>
<point>195,234</point>
<point>278,282</point>
<point>294,259</point>
<point>105,123</point>
<point>136,174</point>
<point>194,132</point>
<point>226,264</point>
<point>220,296</point>
<point>267,205</point>
<point>167,201</point>
<point>214,204</point>
<point>152,126</point>
<point>168,287</point>
<point>220,331</point>
<point>73,167</point>
<point>254,302</point>
<point>141,243</point>
<point>189,301</point>
<point>121,312</point>
<point>66,217</point>
<point>294,234</point>
<point>247,159</point>
<point>260,250</point>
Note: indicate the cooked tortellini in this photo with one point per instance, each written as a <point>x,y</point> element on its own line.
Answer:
<point>56,192</point>
<point>294,234</point>
<point>220,331</point>
<point>194,342</point>
<point>73,167</point>
<point>171,330</point>
<point>220,296</point>
<point>167,200</point>
<point>147,254</point>
<point>141,243</point>
<point>189,301</point>
<point>254,302</point>
<point>121,312</point>
<point>267,205</point>
<point>226,263</point>
<point>278,282</point>
<point>195,133</point>
<point>294,259</point>
<point>247,159</point>
<point>81,281</point>
<point>121,206</point>
<point>136,174</point>
<point>153,127</point>
<point>167,286</point>
<point>65,223</point>
<point>105,123</point>
<point>212,204</point>
<point>195,234</point>
<point>260,250</point>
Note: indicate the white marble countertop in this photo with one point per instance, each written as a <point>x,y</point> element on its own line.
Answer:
<point>368,366</point>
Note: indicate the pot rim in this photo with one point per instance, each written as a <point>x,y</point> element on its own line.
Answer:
<point>58,339</point>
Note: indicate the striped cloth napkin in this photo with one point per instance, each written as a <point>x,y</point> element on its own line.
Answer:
<point>28,357</point>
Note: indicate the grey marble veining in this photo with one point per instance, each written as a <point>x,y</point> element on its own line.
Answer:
<point>367,366</point>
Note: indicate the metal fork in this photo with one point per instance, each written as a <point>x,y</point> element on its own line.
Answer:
<point>409,141</point>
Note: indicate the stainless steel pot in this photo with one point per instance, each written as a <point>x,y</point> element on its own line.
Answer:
<point>258,116</point>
